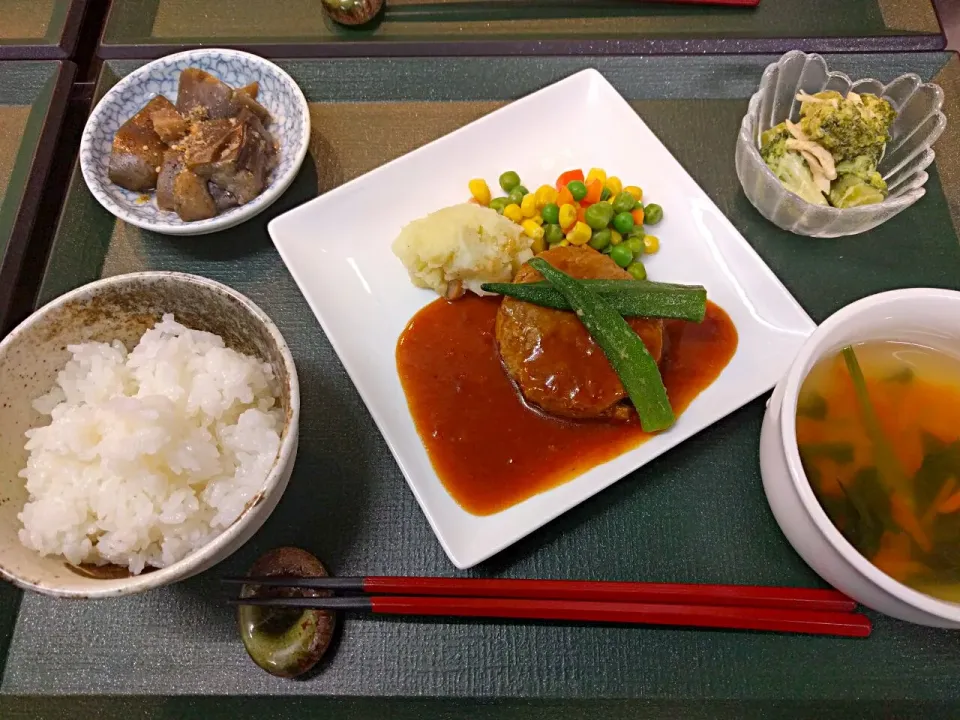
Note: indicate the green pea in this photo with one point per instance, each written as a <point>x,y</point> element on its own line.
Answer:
<point>605,194</point>
<point>607,249</point>
<point>638,271</point>
<point>624,202</point>
<point>577,189</point>
<point>509,180</point>
<point>623,223</point>
<point>637,232</point>
<point>600,239</point>
<point>550,213</point>
<point>516,195</point>
<point>652,214</point>
<point>499,203</point>
<point>597,216</point>
<point>621,255</point>
<point>635,244</point>
<point>552,233</point>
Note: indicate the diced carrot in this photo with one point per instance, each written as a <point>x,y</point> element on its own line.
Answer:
<point>637,216</point>
<point>893,557</point>
<point>942,496</point>
<point>581,213</point>
<point>568,177</point>
<point>950,505</point>
<point>594,190</point>
<point>904,517</point>
<point>564,196</point>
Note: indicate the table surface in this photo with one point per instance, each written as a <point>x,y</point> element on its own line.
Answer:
<point>38,29</point>
<point>697,514</point>
<point>32,101</point>
<point>149,28</point>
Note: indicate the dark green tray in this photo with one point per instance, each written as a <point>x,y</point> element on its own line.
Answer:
<point>697,514</point>
<point>299,28</point>
<point>39,29</point>
<point>33,98</point>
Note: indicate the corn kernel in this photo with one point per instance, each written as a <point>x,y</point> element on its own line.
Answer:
<point>635,191</point>
<point>651,243</point>
<point>614,185</point>
<point>615,237</point>
<point>528,206</point>
<point>480,191</point>
<point>545,196</point>
<point>580,235</point>
<point>538,245</point>
<point>538,219</point>
<point>512,212</point>
<point>596,174</point>
<point>531,228</point>
<point>563,243</point>
<point>568,216</point>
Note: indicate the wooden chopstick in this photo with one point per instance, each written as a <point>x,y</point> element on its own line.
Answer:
<point>754,596</point>
<point>732,618</point>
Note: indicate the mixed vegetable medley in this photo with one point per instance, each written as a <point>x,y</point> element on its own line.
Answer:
<point>830,156</point>
<point>595,210</point>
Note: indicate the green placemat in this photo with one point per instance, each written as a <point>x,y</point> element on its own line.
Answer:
<point>39,28</point>
<point>697,514</point>
<point>32,99</point>
<point>141,28</point>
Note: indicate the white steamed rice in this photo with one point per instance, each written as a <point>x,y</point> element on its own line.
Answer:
<point>149,454</point>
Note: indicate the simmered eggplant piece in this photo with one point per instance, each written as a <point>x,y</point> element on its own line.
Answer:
<point>245,101</point>
<point>138,150</point>
<point>224,200</point>
<point>207,143</point>
<point>244,160</point>
<point>251,90</point>
<point>169,125</point>
<point>172,165</point>
<point>191,197</point>
<point>203,96</point>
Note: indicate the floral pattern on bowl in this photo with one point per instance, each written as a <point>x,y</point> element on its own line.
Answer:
<point>920,121</point>
<point>278,93</point>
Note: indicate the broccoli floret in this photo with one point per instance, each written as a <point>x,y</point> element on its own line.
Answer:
<point>772,141</point>
<point>788,165</point>
<point>858,183</point>
<point>849,191</point>
<point>865,168</point>
<point>794,174</point>
<point>847,126</point>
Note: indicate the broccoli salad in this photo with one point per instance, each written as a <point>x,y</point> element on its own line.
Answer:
<point>830,156</point>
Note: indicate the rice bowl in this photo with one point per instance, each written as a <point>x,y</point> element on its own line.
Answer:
<point>195,435</point>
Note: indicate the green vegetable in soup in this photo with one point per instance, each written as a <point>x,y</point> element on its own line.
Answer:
<point>840,452</point>
<point>887,461</point>
<point>812,405</point>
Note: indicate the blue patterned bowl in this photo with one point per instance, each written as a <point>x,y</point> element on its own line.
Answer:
<point>278,93</point>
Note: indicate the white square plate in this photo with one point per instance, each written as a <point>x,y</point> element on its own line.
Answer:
<point>337,247</point>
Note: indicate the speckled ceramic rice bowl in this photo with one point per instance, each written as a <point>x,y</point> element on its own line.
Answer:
<point>123,308</point>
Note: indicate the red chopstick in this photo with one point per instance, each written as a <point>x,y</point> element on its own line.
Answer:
<point>754,596</point>
<point>732,618</point>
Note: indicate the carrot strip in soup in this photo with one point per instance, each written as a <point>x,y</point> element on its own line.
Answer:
<point>904,517</point>
<point>950,505</point>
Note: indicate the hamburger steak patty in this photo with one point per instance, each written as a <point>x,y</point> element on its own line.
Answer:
<point>550,355</point>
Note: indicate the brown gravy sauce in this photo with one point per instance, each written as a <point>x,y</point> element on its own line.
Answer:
<point>489,448</point>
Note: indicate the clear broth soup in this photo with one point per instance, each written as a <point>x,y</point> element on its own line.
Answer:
<point>885,462</point>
